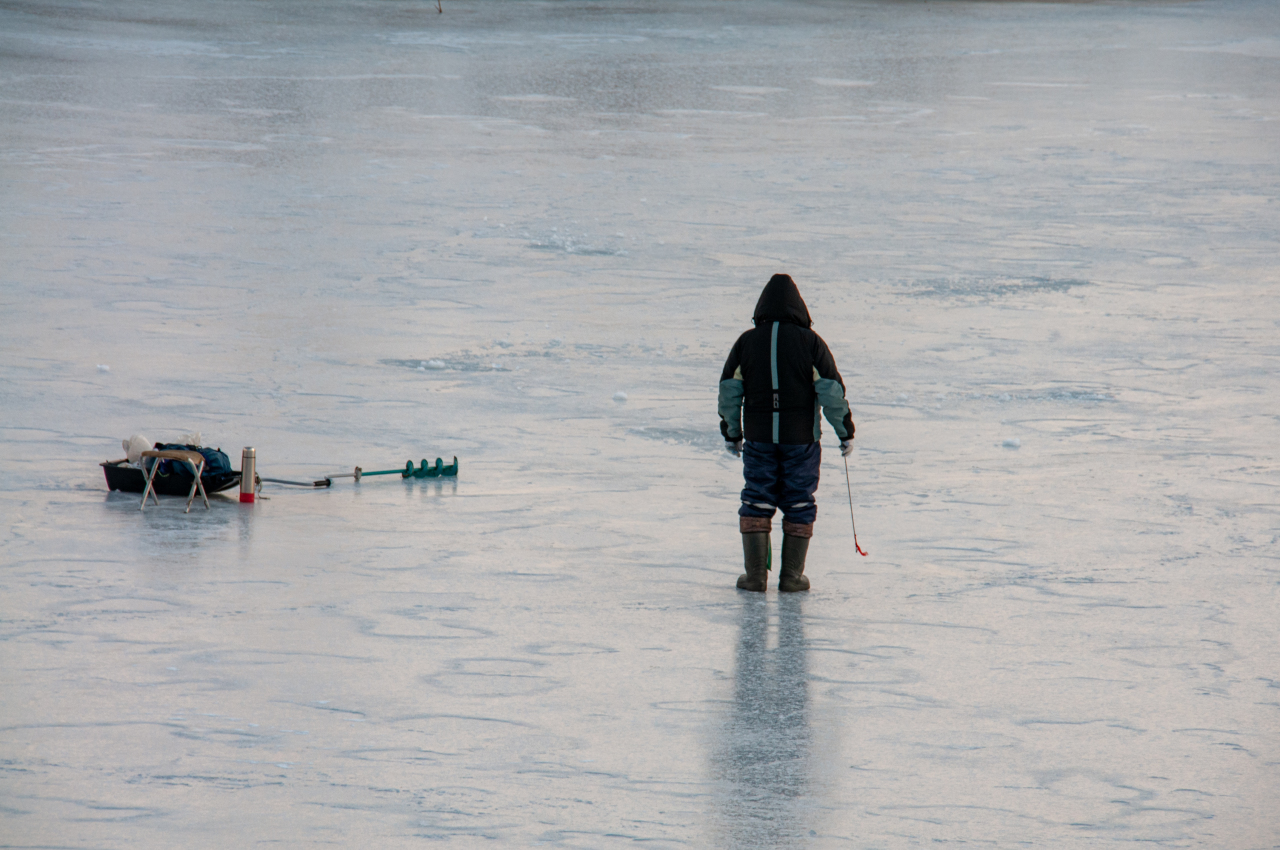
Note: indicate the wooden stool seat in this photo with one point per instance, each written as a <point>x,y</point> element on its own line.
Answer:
<point>193,459</point>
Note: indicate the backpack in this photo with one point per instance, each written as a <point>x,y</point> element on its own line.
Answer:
<point>216,463</point>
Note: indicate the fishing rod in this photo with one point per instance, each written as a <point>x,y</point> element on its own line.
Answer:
<point>849,487</point>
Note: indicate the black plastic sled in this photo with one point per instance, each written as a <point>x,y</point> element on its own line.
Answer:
<point>129,479</point>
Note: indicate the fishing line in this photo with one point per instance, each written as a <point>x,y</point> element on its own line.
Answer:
<point>849,487</point>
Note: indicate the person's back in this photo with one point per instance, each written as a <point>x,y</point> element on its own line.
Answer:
<point>777,377</point>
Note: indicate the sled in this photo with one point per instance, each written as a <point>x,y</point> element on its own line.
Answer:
<point>129,479</point>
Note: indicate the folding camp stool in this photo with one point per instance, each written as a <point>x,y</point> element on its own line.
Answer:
<point>193,459</point>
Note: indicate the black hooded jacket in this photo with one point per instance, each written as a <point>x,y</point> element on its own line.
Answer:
<point>780,373</point>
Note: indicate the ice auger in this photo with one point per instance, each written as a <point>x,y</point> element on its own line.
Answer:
<point>423,470</point>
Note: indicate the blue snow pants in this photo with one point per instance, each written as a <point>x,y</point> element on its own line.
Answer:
<point>780,476</point>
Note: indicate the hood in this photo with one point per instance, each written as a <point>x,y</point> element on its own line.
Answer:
<point>781,302</point>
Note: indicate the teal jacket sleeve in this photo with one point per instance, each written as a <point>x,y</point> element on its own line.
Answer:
<point>835,407</point>
<point>830,389</point>
<point>732,391</point>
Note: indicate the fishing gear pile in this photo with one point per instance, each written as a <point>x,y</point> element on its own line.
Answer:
<point>170,477</point>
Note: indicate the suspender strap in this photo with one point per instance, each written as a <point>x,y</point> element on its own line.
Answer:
<point>773,366</point>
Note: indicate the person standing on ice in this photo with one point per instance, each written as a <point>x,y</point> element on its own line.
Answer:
<point>777,376</point>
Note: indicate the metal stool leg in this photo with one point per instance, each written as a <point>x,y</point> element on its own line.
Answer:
<point>149,488</point>
<point>198,470</point>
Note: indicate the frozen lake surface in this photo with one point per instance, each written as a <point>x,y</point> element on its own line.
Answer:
<point>1039,238</point>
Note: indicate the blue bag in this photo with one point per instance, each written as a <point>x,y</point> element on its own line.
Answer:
<point>216,463</point>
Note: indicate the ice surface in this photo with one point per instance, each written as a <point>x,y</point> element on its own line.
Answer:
<point>362,232</point>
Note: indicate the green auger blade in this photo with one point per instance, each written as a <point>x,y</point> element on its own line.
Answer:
<point>437,471</point>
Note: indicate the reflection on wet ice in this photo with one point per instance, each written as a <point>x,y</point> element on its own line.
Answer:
<point>763,761</point>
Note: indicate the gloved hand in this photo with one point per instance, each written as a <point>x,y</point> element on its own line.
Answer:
<point>734,447</point>
<point>846,448</point>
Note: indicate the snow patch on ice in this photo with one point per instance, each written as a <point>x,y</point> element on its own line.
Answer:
<point>1263,48</point>
<point>749,90</point>
<point>535,98</point>
<point>696,437</point>
<point>989,287</point>
<point>462,363</point>
<point>845,84</point>
<point>567,244</point>
<point>1065,394</point>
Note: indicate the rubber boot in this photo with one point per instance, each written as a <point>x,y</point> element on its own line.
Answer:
<point>791,577</point>
<point>756,551</point>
